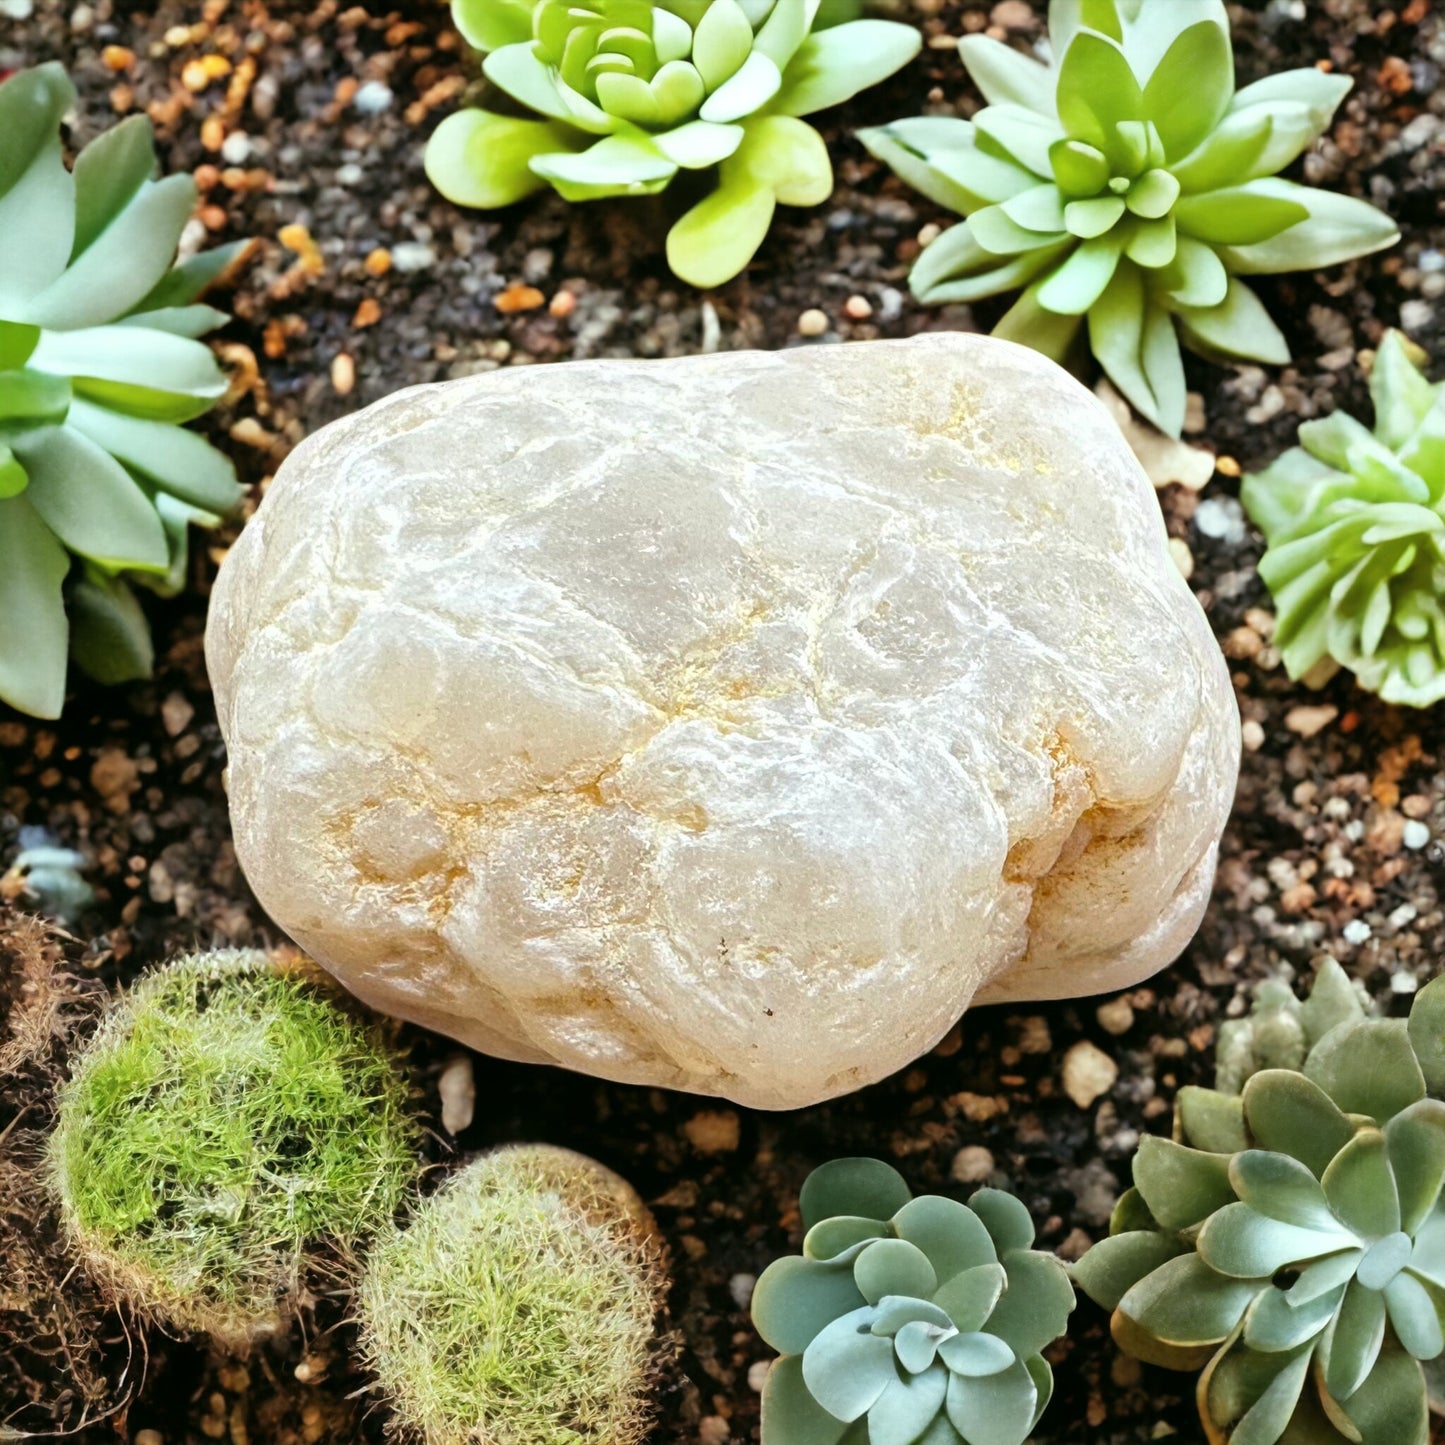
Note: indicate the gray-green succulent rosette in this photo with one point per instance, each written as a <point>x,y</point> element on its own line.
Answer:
<point>1355,525</point>
<point>99,365</point>
<point>1290,1241</point>
<point>1126,185</point>
<point>908,1320</point>
<point>632,92</point>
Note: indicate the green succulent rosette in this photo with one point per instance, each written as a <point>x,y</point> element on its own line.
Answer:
<point>1126,186</point>
<point>908,1320</point>
<point>632,92</point>
<point>99,366</point>
<point>1290,1241</point>
<point>1354,520</point>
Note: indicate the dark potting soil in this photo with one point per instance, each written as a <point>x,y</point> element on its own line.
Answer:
<point>305,129</point>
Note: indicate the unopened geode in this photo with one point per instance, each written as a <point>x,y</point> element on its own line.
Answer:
<point>729,723</point>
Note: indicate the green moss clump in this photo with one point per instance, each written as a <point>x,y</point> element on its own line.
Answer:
<point>228,1124</point>
<point>519,1306</point>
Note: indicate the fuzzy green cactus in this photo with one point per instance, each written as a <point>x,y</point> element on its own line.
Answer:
<point>1128,186</point>
<point>99,365</point>
<point>908,1319</point>
<point>1355,522</point>
<point>1291,1240</point>
<point>632,92</point>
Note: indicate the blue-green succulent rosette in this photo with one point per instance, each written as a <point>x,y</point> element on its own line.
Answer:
<point>1290,1242</point>
<point>1127,187</point>
<point>622,96</point>
<point>908,1320</point>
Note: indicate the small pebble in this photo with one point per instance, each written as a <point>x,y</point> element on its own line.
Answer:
<point>741,1287</point>
<point>713,1430</point>
<point>758,1375</point>
<point>373,98</point>
<point>813,322</point>
<point>858,308</point>
<point>1416,834</point>
<point>1089,1073</point>
<point>972,1164</point>
<point>410,256</point>
<point>1221,518</point>
<point>1251,734</point>
<point>1182,557</point>
<point>1356,931</point>
<point>149,1437</point>
<point>1115,1017</point>
<point>458,1090</point>
<point>713,1131</point>
<point>1310,718</point>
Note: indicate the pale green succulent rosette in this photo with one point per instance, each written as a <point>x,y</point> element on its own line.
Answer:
<point>1290,1242</point>
<point>1127,186</point>
<point>99,365</point>
<point>908,1320</point>
<point>631,92</point>
<point>1355,522</point>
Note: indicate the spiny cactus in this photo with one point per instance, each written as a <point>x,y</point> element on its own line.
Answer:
<point>924,1318</point>
<point>633,92</point>
<point>1126,184</point>
<point>1291,1240</point>
<point>1355,522</point>
<point>99,365</point>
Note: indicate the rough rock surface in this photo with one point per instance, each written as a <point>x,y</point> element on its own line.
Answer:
<point>725,724</point>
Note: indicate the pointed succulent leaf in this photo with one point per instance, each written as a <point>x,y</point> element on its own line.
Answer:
<point>1135,1340</point>
<point>1368,1068</point>
<point>1097,92</point>
<point>89,500</point>
<point>1275,1324</point>
<point>1031,325</point>
<point>1113,1266</point>
<point>795,1299</point>
<point>1006,75</point>
<point>1390,1408</point>
<point>750,87</point>
<point>1191,87</point>
<point>1338,228</point>
<point>1136,345</point>
<point>188,280</point>
<point>35,638</point>
<point>1239,327</point>
<point>1360,1186</point>
<point>109,635</point>
<point>1266,1418</point>
<point>832,66</point>
<point>1281,1188</point>
<point>109,174</point>
<point>1181,1186</point>
<point>1016,133</point>
<point>491,24</point>
<point>1075,286</point>
<point>1415,1144</point>
<point>1414,1315</point>
<point>1333,1000</point>
<point>1325,1276</point>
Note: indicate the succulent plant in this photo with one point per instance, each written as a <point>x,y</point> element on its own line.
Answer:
<point>1128,186</point>
<point>99,365</point>
<point>1291,1239</point>
<point>518,1306</point>
<point>632,92</point>
<point>229,1128</point>
<point>908,1319</point>
<point>1355,525</point>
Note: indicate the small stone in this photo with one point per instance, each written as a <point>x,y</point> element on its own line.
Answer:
<point>701,735</point>
<point>713,1131</point>
<point>1182,556</point>
<point>518,298</point>
<point>1089,1073</point>
<point>1164,459</point>
<point>1356,931</point>
<point>343,374</point>
<point>176,714</point>
<point>458,1090</point>
<point>972,1164</point>
<point>758,1375</point>
<point>373,98</point>
<point>1115,1017</point>
<point>813,323</point>
<point>858,308</point>
<point>1415,834</point>
<point>1307,719</point>
<point>1220,518</point>
<point>410,256</point>
<point>713,1430</point>
<point>1251,734</point>
<point>148,1437</point>
<point>741,1287</point>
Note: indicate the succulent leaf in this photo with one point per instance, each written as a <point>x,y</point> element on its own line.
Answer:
<point>1310,1286</point>
<point>631,91</point>
<point>1158,191</point>
<point>908,1321</point>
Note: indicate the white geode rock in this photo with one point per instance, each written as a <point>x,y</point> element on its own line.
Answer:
<point>727,724</point>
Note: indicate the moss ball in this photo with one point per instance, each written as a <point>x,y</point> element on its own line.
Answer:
<point>228,1126</point>
<point>519,1306</point>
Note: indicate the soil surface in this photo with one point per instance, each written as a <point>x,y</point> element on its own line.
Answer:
<point>304,125</point>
